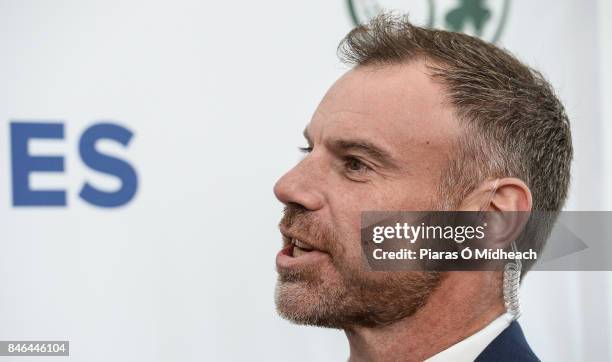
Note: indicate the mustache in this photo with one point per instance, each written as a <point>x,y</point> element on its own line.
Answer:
<point>299,221</point>
<point>294,214</point>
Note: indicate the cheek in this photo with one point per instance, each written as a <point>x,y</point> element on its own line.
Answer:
<point>346,223</point>
<point>409,194</point>
<point>345,210</point>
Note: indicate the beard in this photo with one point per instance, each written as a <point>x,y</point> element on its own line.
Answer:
<point>341,293</point>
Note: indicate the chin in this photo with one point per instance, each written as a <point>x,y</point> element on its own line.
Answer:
<point>336,303</point>
<point>306,304</point>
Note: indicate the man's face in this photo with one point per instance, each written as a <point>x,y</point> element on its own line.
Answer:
<point>378,141</point>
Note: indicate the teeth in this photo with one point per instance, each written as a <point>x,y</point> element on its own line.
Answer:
<point>300,244</point>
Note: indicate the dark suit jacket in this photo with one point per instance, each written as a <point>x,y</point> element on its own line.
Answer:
<point>509,346</point>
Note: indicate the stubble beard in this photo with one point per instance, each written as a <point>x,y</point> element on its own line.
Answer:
<point>341,294</point>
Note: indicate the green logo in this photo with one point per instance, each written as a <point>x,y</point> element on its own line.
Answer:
<point>482,18</point>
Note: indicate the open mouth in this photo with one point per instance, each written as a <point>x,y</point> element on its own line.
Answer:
<point>297,251</point>
<point>296,248</point>
<point>300,248</point>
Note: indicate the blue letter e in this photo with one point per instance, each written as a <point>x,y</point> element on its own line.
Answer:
<point>23,164</point>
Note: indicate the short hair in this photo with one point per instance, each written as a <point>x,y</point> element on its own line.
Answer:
<point>514,124</point>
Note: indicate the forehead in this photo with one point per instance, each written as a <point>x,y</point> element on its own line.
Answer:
<point>397,106</point>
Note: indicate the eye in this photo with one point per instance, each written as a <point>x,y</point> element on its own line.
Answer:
<point>355,165</point>
<point>305,149</point>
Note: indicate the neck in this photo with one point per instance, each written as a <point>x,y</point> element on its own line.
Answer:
<point>464,303</point>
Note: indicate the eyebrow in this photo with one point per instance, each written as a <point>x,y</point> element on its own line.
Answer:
<point>375,152</point>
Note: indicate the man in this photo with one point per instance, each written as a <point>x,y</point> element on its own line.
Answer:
<point>425,120</point>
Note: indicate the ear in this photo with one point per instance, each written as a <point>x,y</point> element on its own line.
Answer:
<point>508,202</point>
<point>506,194</point>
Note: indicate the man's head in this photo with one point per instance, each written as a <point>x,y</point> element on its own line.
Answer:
<point>425,120</point>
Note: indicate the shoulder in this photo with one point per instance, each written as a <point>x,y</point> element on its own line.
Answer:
<point>510,345</point>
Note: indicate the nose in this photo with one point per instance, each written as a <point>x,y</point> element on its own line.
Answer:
<point>301,185</point>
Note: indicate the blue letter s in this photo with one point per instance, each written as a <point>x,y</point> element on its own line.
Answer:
<point>109,165</point>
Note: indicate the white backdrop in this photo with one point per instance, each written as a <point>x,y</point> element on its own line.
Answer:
<point>217,94</point>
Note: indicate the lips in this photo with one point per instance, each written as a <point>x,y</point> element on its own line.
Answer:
<point>300,248</point>
<point>297,252</point>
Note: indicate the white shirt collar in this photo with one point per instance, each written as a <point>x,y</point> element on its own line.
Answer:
<point>468,349</point>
